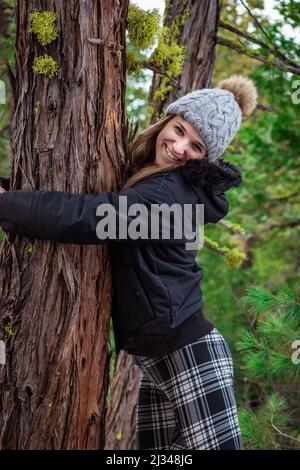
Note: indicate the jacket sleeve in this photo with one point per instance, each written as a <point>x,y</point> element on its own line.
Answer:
<point>66,218</point>
<point>217,207</point>
<point>215,203</point>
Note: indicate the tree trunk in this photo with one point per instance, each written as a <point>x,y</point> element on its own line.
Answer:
<point>67,134</point>
<point>198,34</point>
<point>120,419</point>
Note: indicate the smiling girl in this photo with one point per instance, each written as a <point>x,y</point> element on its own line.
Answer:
<point>186,393</point>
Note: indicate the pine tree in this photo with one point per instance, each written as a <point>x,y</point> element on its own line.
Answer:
<point>270,355</point>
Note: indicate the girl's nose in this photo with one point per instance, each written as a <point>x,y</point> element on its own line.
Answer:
<point>179,147</point>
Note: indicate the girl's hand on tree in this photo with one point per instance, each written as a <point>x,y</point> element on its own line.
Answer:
<point>2,190</point>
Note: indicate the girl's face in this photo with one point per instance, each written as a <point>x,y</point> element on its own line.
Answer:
<point>178,142</point>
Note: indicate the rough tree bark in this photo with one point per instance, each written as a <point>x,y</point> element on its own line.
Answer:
<point>55,299</point>
<point>198,33</point>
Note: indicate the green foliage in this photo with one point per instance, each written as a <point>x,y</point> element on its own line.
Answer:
<point>44,26</point>
<point>235,228</point>
<point>234,258</point>
<point>9,329</point>
<point>175,29</point>
<point>259,429</point>
<point>7,43</point>
<point>37,106</point>
<point>163,90</point>
<point>6,56</point>
<point>142,26</point>
<point>260,299</point>
<point>267,352</point>
<point>290,10</point>
<point>133,63</point>
<point>168,55</point>
<point>267,360</point>
<point>112,362</point>
<point>45,65</point>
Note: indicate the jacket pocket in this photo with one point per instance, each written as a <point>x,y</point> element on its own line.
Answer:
<point>185,299</point>
<point>176,297</point>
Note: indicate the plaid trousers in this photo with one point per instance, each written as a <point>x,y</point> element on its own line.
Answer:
<point>186,398</point>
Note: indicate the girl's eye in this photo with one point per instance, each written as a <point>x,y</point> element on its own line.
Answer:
<point>176,127</point>
<point>195,145</point>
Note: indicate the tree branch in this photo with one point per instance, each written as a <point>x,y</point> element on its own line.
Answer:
<point>292,223</point>
<point>283,433</point>
<point>273,51</point>
<point>266,108</point>
<point>284,198</point>
<point>280,54</point>
<point>275,63</point>
<point>256,21</point>
<point>260,27</point>
<point>214,248</point>
<point>161,72</point>
<point>233,228</point>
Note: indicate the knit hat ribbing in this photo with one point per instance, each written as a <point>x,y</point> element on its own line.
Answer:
<point>217,113</point>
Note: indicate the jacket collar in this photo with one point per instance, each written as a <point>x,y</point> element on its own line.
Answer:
<point>204,173</point>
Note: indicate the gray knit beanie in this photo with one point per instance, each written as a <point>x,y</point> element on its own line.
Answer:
<point>217,113</point>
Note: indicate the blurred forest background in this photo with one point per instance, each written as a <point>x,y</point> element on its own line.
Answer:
<point>252,295</point>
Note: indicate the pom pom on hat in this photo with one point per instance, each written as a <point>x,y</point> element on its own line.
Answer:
<point>244,91</point>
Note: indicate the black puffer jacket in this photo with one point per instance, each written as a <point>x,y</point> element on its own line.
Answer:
<point>157,300</point>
